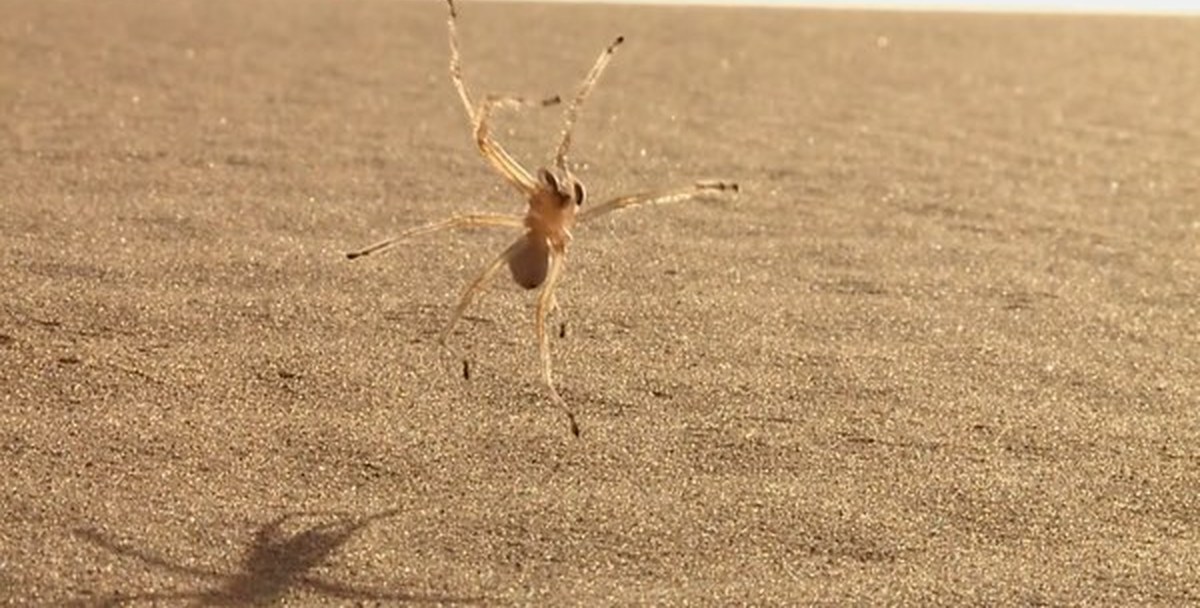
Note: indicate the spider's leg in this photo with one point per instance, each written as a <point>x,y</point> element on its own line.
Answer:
<point>477,286</point>
<point>545,298</point>
<point>468,220</point>
<point>656,198</point>
<point>492,151</point>
<point>456,65</point>
<point>103,541</point>
<point>572,111</point>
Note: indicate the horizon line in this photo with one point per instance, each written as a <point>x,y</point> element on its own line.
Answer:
<point>1061,7</point>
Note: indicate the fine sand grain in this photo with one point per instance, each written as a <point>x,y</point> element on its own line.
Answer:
<point>942,350</point>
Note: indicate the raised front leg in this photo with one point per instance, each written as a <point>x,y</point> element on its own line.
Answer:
<point>495,154</point>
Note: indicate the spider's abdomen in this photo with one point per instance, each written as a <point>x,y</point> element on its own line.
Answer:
<point>530,262</point>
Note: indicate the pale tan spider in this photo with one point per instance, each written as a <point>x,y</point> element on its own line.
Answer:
<point>536,258</point>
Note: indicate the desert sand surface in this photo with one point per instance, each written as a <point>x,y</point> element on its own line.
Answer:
<point>942,350</point>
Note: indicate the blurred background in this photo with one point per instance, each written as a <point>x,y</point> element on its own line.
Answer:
<point>1179,7</point>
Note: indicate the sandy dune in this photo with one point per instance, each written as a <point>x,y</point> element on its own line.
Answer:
<point>943,350</point>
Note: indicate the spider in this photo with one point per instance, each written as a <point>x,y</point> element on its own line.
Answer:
<point>555,204</point>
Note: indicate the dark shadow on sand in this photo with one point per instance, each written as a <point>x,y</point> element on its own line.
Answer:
<point>276,563</point>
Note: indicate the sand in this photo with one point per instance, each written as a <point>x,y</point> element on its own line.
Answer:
<point>943,349</point>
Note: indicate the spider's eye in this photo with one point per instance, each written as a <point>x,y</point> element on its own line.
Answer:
<point>579,193</point>
<point>548,178</point>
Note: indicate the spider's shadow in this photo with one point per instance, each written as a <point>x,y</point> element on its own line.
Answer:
<point>277,562</point>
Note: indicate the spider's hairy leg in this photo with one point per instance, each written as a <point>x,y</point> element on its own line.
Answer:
<point>476,287</point>
<point>491,150</point>
<point>456,64</point>
<point>468,220</point>
<point>572,111</point>
<point>698,190</point>
<point>545,300</point>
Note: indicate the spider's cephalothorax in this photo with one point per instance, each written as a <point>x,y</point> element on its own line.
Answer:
<point>549,219</point>
<point>555,204</point>
<point>568,188</point>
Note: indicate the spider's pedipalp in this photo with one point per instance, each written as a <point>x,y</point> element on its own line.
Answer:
<point>547,178</point>
<point>580,192</point>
